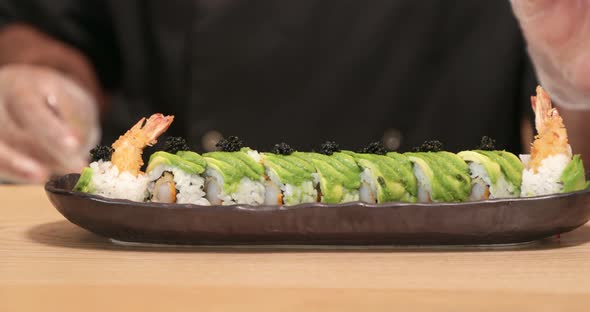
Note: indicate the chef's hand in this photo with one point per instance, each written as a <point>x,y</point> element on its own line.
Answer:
<point>48,123</point>
<point>558,37</point>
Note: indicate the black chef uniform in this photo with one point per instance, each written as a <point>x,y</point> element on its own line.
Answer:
<point>302,71</point>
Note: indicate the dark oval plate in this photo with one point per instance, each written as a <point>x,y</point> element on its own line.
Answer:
<point>501,221</point>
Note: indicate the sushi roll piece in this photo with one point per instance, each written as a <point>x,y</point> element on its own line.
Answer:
<point>103,178</point>
<point>494,174</point>
<point>385,178</point>
<point>289,179</point>
<point>441,176</point>
<point>116,171</point>
<point>234,175</point>
<point>176,178</point>
<point>337,176</point>
<point>550,168</point>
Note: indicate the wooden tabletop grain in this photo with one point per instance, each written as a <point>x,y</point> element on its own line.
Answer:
<point>48,264</point>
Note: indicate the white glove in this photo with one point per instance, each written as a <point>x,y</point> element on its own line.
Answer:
<point>558,37</point>
<point>49,123</point>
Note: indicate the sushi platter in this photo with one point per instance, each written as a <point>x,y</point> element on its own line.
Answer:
<point>238,195</point>
<point>497,221</point>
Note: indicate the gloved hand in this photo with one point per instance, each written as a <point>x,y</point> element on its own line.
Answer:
<point>48,124</point>
<point>558,37</point>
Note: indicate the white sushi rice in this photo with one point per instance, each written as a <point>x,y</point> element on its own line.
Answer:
<point>525,159</point>
<point>247,192</point>
<point>255,155</point>
<point>501,189</point>
<point>190,186</point>
<point>348,196</point>
<point>548,178</point>
<point>107,181</point>
<point>300,194</point>
<point>292,194</point>
<point>368,189</point>
<point>316,179</point>
<point>424,187</point>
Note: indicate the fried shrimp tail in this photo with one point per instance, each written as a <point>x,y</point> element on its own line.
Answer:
<point>128,149</point>
<point>551,138</point>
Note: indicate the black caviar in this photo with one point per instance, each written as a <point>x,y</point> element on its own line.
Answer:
<point>230,144</point>
<point>101,152</point>
<point>329,148</point>
<point>283,149</point>
<point>487,144</point>
<point>374,148</point>
<point>173,145</point>
<point>429,146</point>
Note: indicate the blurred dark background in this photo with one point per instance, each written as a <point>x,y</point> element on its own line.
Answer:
<point>302,71</point>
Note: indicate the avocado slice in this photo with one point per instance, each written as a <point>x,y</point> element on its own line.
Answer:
<point>338,173</point>
<point>492,168</point>
<point>194,158</point>
<point>510,165</point>
<point>574,176</point>
<point>395,180</point>
<point>447,173</point>
<point>233,166</point>
<point>167,159</point>
<point>84,183</point>
<point>289,169</point>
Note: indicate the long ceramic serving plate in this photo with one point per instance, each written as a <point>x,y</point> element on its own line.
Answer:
<point>503,221</point>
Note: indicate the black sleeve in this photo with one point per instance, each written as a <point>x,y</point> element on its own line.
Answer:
<point>84,24</point>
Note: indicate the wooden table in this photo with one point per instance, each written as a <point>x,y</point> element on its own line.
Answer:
<point>48,264</point>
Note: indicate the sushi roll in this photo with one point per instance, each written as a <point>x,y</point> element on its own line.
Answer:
<point>234,175</point>
<point>116,171</point>
<point>550,168</point>
<point>494,174</point>
<point>385,178</point>
<point>240,175</point>
<point>176,178</point>
<point>441,176</point>
<point>337,176</point>
<point>289,179</point>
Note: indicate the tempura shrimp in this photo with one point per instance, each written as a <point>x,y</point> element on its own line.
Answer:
<point>128,149</point>
<point>552,135</point>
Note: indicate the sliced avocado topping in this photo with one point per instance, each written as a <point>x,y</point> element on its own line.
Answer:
<point>289,169</point>
<point>255,166</point>
<point>394,179</point>
<point>448,175</point>
<point>167,159</point>
<point>234,166</point>
<point>510,165</point>
<point>492,168</point>
<point>574,176</point>
<point>423,164</point>
<point>84,184</point>
<point>405,172</point>
<point>193,157</point>
<point>338,174</point>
